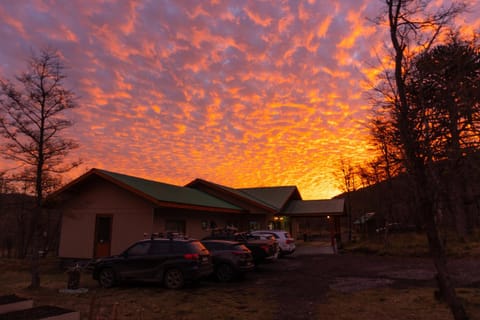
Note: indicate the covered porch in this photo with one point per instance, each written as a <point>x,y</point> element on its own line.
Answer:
<point>313,219</point>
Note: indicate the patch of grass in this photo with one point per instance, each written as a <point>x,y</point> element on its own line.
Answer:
<point>392,304</point>
<point>208,300</point>
<point>461,248</point>
<point>314,243</point>
<point>402,244</point>
<point>412,244</point>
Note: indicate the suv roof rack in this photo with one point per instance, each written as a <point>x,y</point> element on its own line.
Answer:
<point>167,235</point>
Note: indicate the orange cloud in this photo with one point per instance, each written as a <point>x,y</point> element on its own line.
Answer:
<point>254,93</point>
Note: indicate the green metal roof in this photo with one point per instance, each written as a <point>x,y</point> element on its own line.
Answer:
<point>167,192</point>
<point>271,198</point>
<point>313,207</point>
<point>274,197</point>
<point>280,200</point>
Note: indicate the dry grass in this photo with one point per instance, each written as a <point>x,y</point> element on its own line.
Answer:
<point>394,304</point>
<point>208,300</point>
<point>413,244</point>
<point>211,300</point>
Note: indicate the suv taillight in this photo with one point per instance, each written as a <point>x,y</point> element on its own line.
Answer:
<point>289,241</point>
<point>191,256</point>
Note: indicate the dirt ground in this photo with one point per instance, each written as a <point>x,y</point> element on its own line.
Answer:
<point>300,282</point>
<point>298,285</point>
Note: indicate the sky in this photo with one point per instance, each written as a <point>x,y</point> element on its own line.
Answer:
<point>240,93</point>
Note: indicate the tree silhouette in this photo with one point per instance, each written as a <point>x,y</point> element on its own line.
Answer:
<point>444,93</point>
<point>32,121</point>
<point>413,29</point>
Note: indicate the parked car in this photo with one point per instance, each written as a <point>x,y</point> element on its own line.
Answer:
<point>396,227</point>
<point>172,262</point>
<point>271,239</point>
<point>262,249</point>
<point>231,259</point>
<point>286,243</point>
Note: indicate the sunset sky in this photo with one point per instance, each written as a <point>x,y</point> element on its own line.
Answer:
<point>240,93</point>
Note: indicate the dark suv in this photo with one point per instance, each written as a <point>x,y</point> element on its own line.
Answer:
<point>231,259</point>
<point>172,262</point>
<point>262,249</point>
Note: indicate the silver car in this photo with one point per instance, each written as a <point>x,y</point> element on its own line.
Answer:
<point>285,242</point>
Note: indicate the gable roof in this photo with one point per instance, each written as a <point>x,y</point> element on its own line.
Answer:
<point>282,200</point>
<point>275,197</point>
<point>271,199</point>
<point>314,207</point>
<point>160,193</point>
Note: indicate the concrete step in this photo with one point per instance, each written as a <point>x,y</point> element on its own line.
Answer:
<point>13,307</point>
<point>11,302</point>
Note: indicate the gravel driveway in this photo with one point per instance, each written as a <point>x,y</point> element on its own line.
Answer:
<point>301,281</point>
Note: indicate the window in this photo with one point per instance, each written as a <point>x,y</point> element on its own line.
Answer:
<point>175,226</point>
<point>254,225</point>
<point>160,247</point>
<point>213,246</point>
<point>271,225</point>
<point>158,221</point>
<point>140,249</point>
<point>196,246</point>
<point>179,247</point>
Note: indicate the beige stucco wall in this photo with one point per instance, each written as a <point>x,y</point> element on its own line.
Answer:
<point>193,221</point>
<point>74,242</point>
<point>132,216</point>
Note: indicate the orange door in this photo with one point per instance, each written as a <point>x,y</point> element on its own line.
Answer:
<point>103,235</point>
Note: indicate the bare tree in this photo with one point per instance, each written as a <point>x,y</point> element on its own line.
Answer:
<point>388,165</point>
<point>33,114</point>
<point>346,177</point>
<point>412,28</point>
<point>369,174</point>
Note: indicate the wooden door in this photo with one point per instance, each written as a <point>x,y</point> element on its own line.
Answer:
<point>103,235</point>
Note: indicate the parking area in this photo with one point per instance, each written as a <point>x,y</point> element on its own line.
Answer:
<point>313,248</point>
<point>297,286</point>
<point>301,282</point>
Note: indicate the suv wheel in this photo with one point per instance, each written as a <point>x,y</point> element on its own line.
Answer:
<point>225,272</point>
<point>173,279</point>
<point>106,278</point>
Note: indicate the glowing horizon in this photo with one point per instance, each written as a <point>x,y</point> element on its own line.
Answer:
<point>240,93</point>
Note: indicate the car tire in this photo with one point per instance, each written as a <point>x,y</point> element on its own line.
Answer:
<point>225,272</point>
<point>106,278</point>
<point>173,279</point>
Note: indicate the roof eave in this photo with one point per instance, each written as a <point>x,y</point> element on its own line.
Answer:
<point>234,195</point>
<point>99,173</point>
<point>141,194</point>
<point>287,201</point>
<point>72,183</point>
<point>177,205</point>
<point>311,214</point>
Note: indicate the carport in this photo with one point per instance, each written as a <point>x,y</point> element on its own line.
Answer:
<point>315,218</point>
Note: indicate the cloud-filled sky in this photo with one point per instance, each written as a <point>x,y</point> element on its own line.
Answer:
<point>241,93</point>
